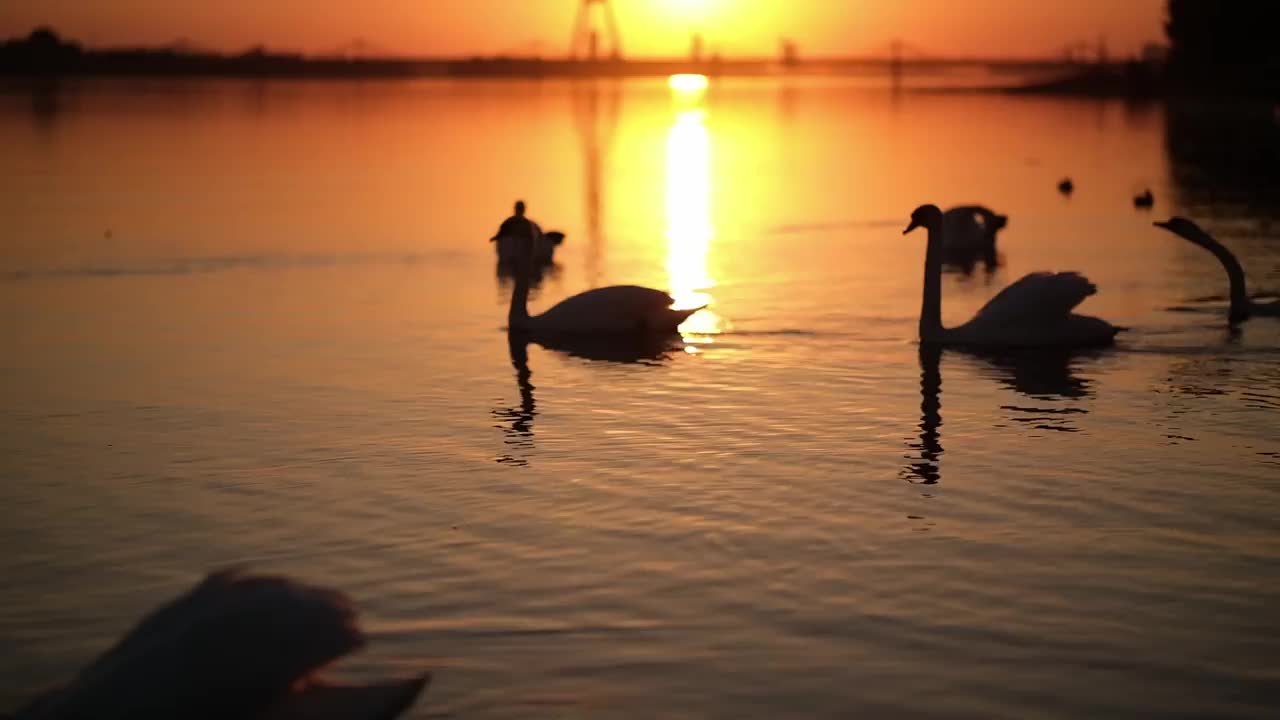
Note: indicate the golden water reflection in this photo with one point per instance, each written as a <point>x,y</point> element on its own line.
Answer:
<point>688,203</point>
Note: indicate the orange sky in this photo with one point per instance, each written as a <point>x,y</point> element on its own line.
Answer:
<point>649,27</point>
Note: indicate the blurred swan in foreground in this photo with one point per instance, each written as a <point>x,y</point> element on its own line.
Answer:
<point>512,233</point>
<point>235,647</point>
<point>613,310</point>
<point>1032,312</point>
<point>1242,307</point>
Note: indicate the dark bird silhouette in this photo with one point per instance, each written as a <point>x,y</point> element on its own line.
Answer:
<point>614,310</point>
<point>235,647</point>
<point>1036,311</point>
<point>1066,187</point>
<point>1145,200</point>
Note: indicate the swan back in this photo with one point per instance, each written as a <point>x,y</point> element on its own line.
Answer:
<point>971,227</point>
<point>510,244</point>
<point>614,309</point>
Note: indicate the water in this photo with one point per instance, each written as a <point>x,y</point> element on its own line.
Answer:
<point>259,323</point>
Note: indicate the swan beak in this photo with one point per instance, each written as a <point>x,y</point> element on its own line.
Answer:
<point>378,701</point>
<point>911,227</point>
<point>1161,224</point>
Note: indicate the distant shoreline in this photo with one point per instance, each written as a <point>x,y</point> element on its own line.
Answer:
<point>176,64</point>
<point>44,53</point>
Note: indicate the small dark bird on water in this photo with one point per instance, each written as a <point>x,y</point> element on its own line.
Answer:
<point>236,647</point>
<point>1145,200</point>
<point>1066,187</point>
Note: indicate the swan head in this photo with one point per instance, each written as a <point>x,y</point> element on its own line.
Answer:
<point>925,216</point>
<point>1185,228</point>
<point>520,207</point>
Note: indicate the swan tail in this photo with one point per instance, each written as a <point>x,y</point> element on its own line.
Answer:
<point>670,319</point>
<point>684,313</point>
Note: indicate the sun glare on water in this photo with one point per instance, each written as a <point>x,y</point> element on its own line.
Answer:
<point>687,83</point>
<point>688,204</point>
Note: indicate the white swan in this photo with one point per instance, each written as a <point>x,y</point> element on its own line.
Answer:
<point>1242,307</point>
<point>972,228</point>
<point>1033,312</point>
<point>613,310</point>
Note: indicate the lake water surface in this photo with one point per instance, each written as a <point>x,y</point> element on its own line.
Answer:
<point>259,322</point>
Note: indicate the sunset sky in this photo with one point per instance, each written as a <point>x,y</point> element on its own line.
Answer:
<point>650,27</point>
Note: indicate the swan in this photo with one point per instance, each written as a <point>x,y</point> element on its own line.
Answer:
<point>1066,187</point>
<point>1242,306</point>
<point>972,227</point>
<point>1032,312</point>
<point>235,646</point>
<point>1144,200</point>
<point>613,310</point>
<point>508,246</point>
<point>511,235</point>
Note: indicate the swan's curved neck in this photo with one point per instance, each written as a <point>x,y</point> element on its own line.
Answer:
<point>518,315</point>
<point>1235,274</point>
<point>931,309</point>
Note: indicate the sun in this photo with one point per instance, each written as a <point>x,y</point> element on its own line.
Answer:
<point>688,10</point>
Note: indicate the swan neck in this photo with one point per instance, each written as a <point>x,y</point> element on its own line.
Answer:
<point>1235,274</point>
<point>518,315</point>
<point>931,309</point>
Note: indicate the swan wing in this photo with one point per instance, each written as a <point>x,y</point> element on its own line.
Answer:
<point>961,227</point>
<point>1038,296</point>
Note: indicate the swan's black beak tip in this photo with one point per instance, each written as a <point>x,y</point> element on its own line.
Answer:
<point>1161,224</point>
<point>911,227</point>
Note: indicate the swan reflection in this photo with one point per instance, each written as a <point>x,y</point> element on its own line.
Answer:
<point>926,453</point>
<point>516,422</point>
<point>1046,376</point>
<point>965,261</point>
<point>506,273</point>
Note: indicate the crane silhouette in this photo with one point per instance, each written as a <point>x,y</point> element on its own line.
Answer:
<point>585,35</point>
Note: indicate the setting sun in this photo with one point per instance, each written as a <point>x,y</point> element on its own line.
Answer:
<point>689,10</point>
<point>687,83</point>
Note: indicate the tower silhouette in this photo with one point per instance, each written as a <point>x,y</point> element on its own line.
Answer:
<point>586,36</point>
